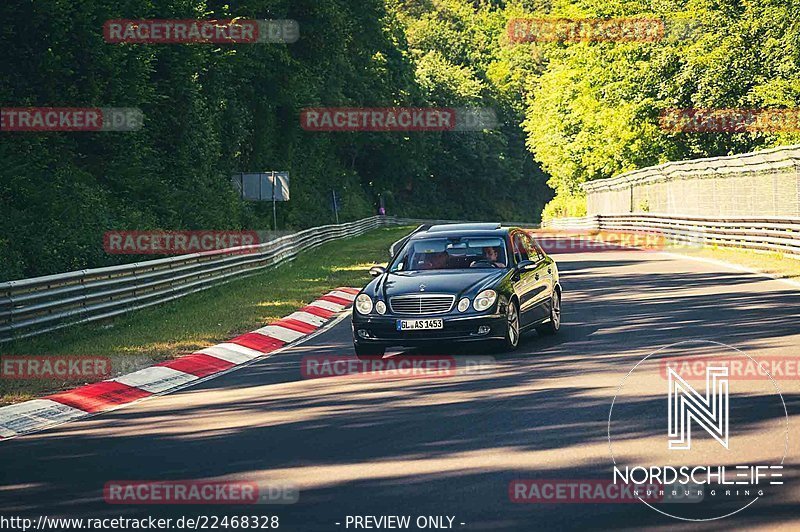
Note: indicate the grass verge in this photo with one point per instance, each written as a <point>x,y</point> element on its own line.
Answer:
<point>774,264</point>
<point>152,335</point>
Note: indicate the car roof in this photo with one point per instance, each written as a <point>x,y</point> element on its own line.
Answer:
<point>463,227</point>
<point>473,229</point>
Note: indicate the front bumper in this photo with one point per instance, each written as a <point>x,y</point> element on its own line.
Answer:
<point>382,330</point>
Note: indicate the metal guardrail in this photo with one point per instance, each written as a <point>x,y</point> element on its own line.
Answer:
<point>34,306</point>
<point>29,307</point>
<point>586,222</point>
<point>763,233</point>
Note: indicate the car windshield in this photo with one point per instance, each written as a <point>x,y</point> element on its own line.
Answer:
<point>451,254</point>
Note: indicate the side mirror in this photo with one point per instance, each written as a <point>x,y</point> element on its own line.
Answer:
<point>525,265</point>
<point>376,271</point>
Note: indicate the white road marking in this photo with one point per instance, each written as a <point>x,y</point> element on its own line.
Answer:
<point>280,333</point>
<point>233,353</point>
<point>327,305</point>
<point>307,317</point>
<point>156,379</point>
<point>33,415</point>
<point>343,295</point>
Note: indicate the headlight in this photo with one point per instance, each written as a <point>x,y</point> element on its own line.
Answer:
<point>364,304</point>
<point>380,306</point>
<point>463,305</point>
<point>484,300</point>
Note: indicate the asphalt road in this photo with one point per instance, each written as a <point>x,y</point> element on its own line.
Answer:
<point>444,446</point>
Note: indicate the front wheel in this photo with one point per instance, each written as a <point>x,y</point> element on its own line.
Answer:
<point>511,340</point>
<point>552,326</point>
<point>364,352</point>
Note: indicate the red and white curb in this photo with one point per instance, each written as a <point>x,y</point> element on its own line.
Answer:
<point>38,414</point>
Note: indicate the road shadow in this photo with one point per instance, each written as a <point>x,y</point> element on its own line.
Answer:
<point>424,446</point>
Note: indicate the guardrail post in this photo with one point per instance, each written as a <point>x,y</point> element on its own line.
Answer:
<point>596,222</point>
<point>9,335</point>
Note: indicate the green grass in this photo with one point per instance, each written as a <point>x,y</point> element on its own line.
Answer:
<point>147,336</point>
<point>772,263</point>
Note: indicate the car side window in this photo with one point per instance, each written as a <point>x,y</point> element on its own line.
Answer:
<point>534,251</point>
<point>539,252</point>
<point>404,261</point>
<point>398,266</point>
<point>520,251</point>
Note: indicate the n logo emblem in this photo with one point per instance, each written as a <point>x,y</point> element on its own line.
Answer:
<point>710,412</point>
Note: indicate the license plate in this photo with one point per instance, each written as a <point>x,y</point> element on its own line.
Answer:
<point>417,325</point>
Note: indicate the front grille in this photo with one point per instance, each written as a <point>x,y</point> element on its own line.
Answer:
<point>422,304</point>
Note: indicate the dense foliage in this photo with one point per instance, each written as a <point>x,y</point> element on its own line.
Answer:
<point>593,108</point>
<point>580,111</point>
<point>214,110</point>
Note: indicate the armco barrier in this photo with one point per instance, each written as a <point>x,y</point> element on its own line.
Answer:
<point>33,306</point>
<point>763,233</point>
<point>29,307</point>
<point>588,223</point>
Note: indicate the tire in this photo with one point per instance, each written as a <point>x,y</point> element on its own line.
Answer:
<point>554,324</point>
<point>511,340</point>
<point>368,352</point>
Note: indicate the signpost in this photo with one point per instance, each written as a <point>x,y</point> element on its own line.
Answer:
<point>264,186</point>
<point>280,192</point>
<point>335,204</point>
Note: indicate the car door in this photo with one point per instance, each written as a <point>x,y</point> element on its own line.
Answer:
<point>541,285</point>
<point>524,286</point>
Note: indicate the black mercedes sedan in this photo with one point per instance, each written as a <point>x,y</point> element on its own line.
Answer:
<point>459,283</point>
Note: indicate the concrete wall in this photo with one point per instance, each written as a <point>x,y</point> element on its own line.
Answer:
<point>752,184</point>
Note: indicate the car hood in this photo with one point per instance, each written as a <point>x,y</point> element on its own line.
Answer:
<point>454,282</point>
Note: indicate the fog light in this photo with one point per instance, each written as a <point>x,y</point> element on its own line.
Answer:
<point>363,334</point>
<point>484,329</point>
<point>380,306</point>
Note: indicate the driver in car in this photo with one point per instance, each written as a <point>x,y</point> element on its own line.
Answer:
<point>438,261</point>
<point>490,255</point>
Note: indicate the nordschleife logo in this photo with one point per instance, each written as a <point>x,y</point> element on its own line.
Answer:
<point>726,440</point>
<point>711,412</point>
